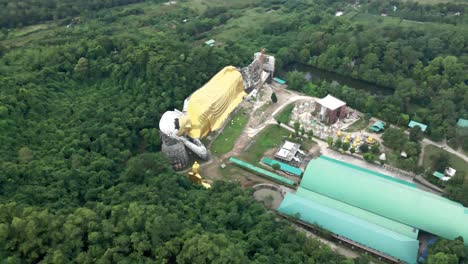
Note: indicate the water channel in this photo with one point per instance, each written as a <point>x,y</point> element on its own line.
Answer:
<point>317,76</point>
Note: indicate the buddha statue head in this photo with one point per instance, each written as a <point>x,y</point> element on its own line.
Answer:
<point>184,125</point>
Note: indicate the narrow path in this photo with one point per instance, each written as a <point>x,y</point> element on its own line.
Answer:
<point>348,253</point>
<point>447,148</point>
<point>421,156</point>
<point>250,132</point>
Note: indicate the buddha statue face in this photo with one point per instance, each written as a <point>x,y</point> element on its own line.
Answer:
<point>184,125</point>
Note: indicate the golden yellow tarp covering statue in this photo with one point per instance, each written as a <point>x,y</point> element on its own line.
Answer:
<point>210,105</point>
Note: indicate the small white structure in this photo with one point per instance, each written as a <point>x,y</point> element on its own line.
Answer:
<point>210,42</point>
<point>403,154</point>
<point>383,157</point>
<point>450,172</point>
<point>288,151</point>
<point>339,13</point>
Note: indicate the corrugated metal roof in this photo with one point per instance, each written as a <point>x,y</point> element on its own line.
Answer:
<point>210,42</point>
<point>377,126</point>
<point>280,81</point>
<point>395,226</point>
<point>351,227</point>
<point>283,166</point>
<point>264,172</point>
<point>389,198</point>
<point>357,169</point>
<point>462,122</point>
<point>414,123</point>
<point>438,174</point>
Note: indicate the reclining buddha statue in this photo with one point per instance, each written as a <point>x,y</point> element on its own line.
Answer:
<point>208,108</point>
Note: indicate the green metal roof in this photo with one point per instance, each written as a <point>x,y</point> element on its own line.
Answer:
<point>283,166</point>
<point>414,123</point>
<point>280,81</point>
<point>388,198</point>
<point>438,174</point>
<point>462,123</point>
<point>358,212</point>
<point>351,227</point>
<point>379,124</point>
<point>362,170</point>
<point>261,171</point>
<point>375,129</point>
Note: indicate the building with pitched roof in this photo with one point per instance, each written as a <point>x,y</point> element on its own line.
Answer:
<point>463,123</point>
<point>330,109</point>
<point>413,123</point>
<point>378,126</point>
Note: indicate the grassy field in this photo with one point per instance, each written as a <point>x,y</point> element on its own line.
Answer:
<point>434,2</point>
<point>285,114</point>
<point>380,21</point>
<point>358,125</point>
<point>246,25</point>
<point>201,5</point>
<point>271,137</point>
<point>460,165</point>
<point>225,141</point>
<point>19,32</point>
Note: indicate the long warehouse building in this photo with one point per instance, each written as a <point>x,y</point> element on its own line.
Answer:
<point>373,209</point>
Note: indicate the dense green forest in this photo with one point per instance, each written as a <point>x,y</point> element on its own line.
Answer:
<point>80,104</point>
<point>152,214</point>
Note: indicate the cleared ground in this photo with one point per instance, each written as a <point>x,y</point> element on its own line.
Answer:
<point>225,141</point>
<point>271,198</point>
<point>270,137</point>
<point>358,125</point>
<point>433,2</point>
<point>430,151</point>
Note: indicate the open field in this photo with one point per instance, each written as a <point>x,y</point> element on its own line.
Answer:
<point>270,137</point>
<point>380,21</point>
<point>225,141</point>
<point>358,125</point>
<point>455,162</point>
<point>201,5</point>
<point>434,2</point>
<point>285,115</point>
